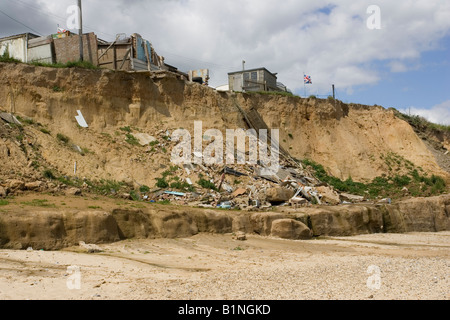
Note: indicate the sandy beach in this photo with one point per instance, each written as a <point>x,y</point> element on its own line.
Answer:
<point>413,266</point>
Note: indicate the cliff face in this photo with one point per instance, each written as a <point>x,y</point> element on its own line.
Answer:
<point>349,140</point>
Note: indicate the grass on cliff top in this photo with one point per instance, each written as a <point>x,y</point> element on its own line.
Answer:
<point>421,123</point>
<point>70,64</point>
<point>405,176</point>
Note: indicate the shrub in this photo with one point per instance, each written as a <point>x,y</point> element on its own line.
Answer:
<point>62,138</point>
<point>132,140</point>
<point>207,184</point>
<point>49,174</point>
<point>161,183</point>
<point>144,189</point>
<point>126,129</point>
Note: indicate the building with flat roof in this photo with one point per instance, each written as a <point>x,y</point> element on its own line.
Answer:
<point>259,79</point>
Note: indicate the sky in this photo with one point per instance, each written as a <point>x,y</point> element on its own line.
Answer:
<point>376,52</point>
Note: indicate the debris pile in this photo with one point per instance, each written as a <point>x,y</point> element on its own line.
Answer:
<point>242,187</point>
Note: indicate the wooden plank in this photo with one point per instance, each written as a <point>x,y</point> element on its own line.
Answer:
<point>125,58</point>
<point>115,58</point>
<point>149,66</point>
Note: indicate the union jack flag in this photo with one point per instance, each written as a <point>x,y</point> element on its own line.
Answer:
<point>308,79</point>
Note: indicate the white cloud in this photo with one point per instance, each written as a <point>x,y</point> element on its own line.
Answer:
<point>439,114</point>
<point>327,39</point>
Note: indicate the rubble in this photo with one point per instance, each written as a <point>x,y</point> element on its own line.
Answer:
<point>351,198</point>
<point>90,248</point>
<point>279,194</point>
<point>240,236</point>
<point>241,186</point>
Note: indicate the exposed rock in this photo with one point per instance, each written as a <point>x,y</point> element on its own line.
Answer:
<point>262,222</point>
<point>15,184</point>
<point>32,186</point>
<point>90,248</point>
<point>351,197</point>
<point>418,215</point>
<point>329,195</point>
<point>73,192</point>
<point>212,221</point>
<point>2,192</point>
<point>240,236</point>
<point>279,194</point>
<point>345,220</point>
<point>290,229</point>
<point>54,230</point>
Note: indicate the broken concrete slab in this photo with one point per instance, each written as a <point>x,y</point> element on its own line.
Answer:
<point>90,248</point>
<point>239,192</point>
<point>279,194</point>
<point>144,138</point>
<point>351,197</point>
<point>328,195</point>
<point>8,117</point>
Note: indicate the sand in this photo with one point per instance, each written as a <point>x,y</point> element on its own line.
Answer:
<point>414,266</point>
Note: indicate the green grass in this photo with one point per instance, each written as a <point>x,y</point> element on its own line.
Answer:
<point>49,174</point>
<point>28,121</point>
<point>39,203</point>
<point>62,138</point>
<point>207,184</point>
<point>162,183</point>
<point>144,189</point>
<point>132,140</point>
<point>46,131</point>
<point>3,202</point>
<point>105,187</point>
<point>5,57</point>
<point>126,129</point>
<point>70,64</point>
<point>421,123</point>
<point>182,186</point>
<point>57,89</point>
<point>385,186</point>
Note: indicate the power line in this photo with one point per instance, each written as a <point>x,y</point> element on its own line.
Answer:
<point>21,23</point>
<point>58,18</point>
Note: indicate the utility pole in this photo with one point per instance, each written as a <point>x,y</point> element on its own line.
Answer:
<point>243,65</point>
<point>334,95</point>
<point>80,31</point>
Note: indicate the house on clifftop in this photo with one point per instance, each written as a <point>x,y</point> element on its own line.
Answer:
<point>259,79</point>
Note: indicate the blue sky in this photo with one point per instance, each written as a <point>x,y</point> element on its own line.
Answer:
<point>405,64</point>
<point>423,87</point>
